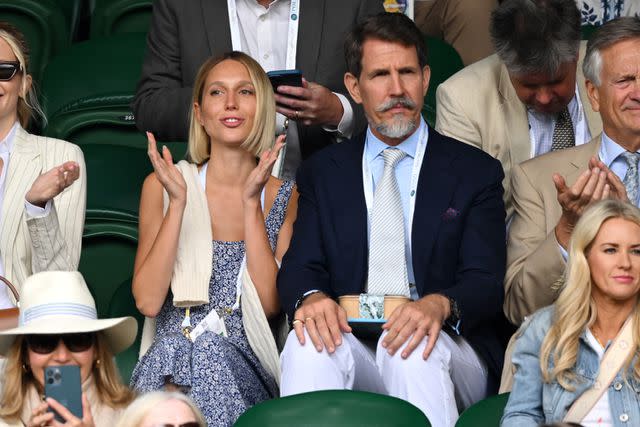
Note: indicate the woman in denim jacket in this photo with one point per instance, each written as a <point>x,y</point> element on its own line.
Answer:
<point>557,357</point>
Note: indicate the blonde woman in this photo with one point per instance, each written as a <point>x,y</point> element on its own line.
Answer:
<point>162,408</point>
<point>59,326</point>
<point>207,227</point>
<point>42,180</point>
<point>558,356</point>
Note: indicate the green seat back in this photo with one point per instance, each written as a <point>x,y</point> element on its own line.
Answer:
<point>486,413</point>
<point>114,180</point>
<point>106,262</point>
<point>93,74</point>
<point>122,304</point>
<point>334,408</point>
<point>44,27</point>
<point>444,61</point>
<point>72,12</point>
<point>120,16</point>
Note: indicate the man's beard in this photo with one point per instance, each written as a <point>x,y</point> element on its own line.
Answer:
<point>398,126</point>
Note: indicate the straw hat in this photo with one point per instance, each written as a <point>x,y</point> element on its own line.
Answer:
<point>59,302</point>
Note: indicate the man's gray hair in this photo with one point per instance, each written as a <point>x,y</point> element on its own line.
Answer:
<point>610,33</point>
<point>536,36</point>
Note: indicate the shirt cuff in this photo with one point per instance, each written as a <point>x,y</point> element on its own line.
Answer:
<point>345,127</point>
<point>563,252</point>
<point>34,211</point>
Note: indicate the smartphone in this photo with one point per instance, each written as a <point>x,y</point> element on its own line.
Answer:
<point>63,384</point>
<point>285,78</point>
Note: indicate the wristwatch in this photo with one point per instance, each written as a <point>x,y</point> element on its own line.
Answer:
<point>455,316</point>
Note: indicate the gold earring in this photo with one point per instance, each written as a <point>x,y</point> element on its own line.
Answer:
<point>24,368</point>
<point>97,363</point>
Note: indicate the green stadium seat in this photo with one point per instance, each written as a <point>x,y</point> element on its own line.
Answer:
<point>95,79</point>
<point>106,262</point>
<point>87,91</point>
<point>114,180</point>
<point>122,304</point>
<point>444,61</point>
<point>334,408</point>
<point>120,16</point>
<point>486,413</point>
<point>44,26</point>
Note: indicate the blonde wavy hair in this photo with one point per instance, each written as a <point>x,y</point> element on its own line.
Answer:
<point>18,379</point>
<point>262,134</point>
<point>28,105</point>
<point>575,310</point>
<point>135,414</point>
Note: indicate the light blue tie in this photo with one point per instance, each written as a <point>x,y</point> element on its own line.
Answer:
<point>387,263</point>
<point>630,180</point>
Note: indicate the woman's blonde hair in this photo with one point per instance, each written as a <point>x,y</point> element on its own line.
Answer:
<point>575,310</point>
<point>28,104</point>
<point>135,414</point>
<point>18,378</point>
<point>262,133</point>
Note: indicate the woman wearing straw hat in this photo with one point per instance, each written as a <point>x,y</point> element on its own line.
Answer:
<point>59,326</point>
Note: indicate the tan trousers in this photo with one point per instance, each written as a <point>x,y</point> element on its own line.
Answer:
<point>464,24</point>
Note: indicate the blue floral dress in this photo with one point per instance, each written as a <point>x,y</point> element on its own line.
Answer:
<point>221,374</point>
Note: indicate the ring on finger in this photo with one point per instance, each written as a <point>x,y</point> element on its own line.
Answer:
<point>295,321</point>
<point>308,318</point>
<point>297,114</point>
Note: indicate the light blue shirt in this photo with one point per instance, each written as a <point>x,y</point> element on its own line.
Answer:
<point>373,149</point>
<point>610,155</point>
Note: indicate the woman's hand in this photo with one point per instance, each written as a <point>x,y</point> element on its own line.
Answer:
<point>50,184</point>
<point>40,416</point>
<point>166,172</point>
<point>70,419</point>
<point>260,175</point>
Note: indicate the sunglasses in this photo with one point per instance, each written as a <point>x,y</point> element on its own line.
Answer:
<point>8,70</point>
<point>189,424</point>
<point>45,344</point>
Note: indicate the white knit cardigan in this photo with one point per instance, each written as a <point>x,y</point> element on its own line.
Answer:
<point>192,274</point>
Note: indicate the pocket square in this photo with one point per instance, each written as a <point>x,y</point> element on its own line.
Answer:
<point>450,214</point>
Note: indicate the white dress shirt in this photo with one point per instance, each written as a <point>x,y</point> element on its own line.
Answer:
<point>264,32</point>
<point>541,127</point>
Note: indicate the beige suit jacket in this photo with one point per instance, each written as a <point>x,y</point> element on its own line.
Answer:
<point>52,242</point>
<point>479,106</point>
<point>534,259</point>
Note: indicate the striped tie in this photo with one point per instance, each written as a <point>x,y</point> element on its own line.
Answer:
<point>630,180</point>
<point>387,264</point>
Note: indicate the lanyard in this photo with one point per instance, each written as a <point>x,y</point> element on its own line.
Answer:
<point>292,33</point>
<point>367,179</point>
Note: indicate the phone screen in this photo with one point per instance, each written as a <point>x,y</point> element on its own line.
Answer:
<point>63,384</point>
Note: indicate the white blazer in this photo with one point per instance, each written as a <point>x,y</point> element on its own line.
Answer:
<point>53,242</point>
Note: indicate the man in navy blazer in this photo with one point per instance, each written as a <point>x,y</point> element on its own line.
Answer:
<point>455,254</point>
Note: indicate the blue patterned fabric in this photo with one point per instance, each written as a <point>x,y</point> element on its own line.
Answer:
<point>221,374</point>
<point>597,12</point>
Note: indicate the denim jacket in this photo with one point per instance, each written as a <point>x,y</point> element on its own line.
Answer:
<point>533,402</point>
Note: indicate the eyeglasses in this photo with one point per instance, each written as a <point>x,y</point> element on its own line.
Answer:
<point>8,70</point>
<point>189,424</point>
<point>45,344</point>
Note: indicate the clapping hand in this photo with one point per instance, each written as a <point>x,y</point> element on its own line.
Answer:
<point>260,175</point>
<point>51,183</point>
<point>166,172</point>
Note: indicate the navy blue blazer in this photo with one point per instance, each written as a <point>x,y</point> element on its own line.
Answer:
<point>458,235</point>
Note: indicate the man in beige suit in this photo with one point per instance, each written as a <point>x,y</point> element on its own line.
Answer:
<point>509,104</point>
<point>551,192</point>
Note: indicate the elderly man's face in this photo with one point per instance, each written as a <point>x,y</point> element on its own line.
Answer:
<point>618,97</point>
<point>391,88</point>
<point>546,93</point>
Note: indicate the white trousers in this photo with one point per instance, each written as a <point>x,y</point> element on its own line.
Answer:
<point>449,381</point>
